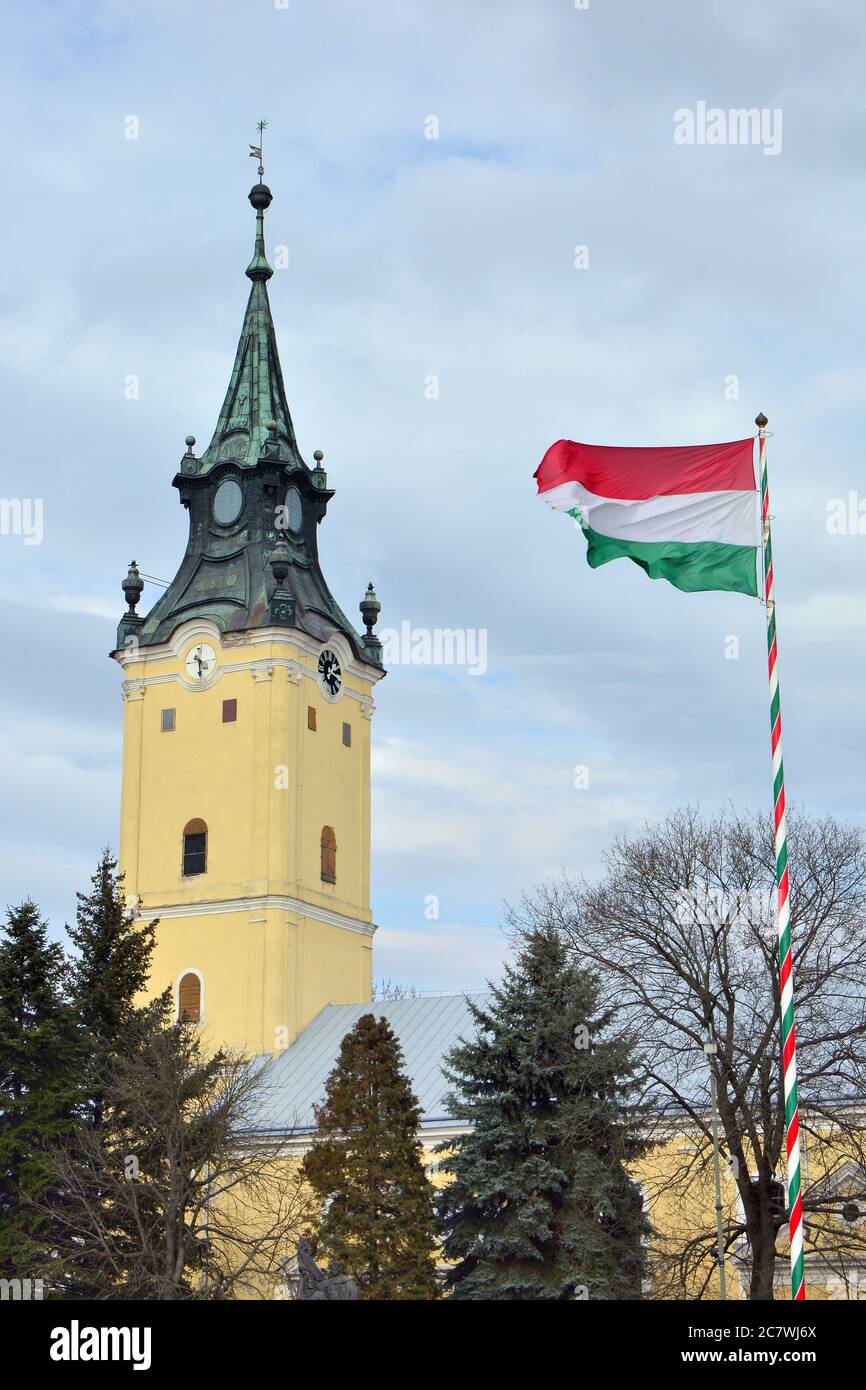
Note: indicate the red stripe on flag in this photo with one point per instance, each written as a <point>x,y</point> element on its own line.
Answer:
<point>635,474</point>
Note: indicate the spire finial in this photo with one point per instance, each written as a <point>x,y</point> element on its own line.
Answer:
<point>261,198</point>
<point>256,150</point>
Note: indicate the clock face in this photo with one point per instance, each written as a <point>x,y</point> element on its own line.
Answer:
<point>330,675</point>
<point>201,662</point>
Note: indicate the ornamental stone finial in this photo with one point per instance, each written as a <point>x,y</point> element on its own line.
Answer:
<point>280,561</point>
<point>131,621</point>
<point>370,609</point>
<point>281,609</point>
<point>319,476</point>
<point>132,587</point>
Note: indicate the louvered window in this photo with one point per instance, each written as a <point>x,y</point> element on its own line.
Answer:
<point>189,999</point>
<point>329,855</point>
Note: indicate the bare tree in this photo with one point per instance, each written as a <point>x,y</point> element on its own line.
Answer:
<point>682,933</point>
<point>174,1197</point>
<point>386,989</point>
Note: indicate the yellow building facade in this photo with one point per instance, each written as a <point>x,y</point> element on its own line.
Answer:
<point>245,807</point>
<point>270,941</point>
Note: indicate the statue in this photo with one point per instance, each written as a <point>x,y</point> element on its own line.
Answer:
<point>314,1284</point>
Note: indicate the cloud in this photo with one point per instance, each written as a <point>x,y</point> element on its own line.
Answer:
<point>452,257</point>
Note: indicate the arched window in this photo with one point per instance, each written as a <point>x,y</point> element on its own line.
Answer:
<point>329,855</point>
<point>194,848</point>
<point>189,998</point>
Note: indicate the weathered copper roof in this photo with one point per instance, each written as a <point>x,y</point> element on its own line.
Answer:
<point>256,393</point>
<point>225,574</point>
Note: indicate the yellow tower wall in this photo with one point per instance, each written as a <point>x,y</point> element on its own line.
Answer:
<point>271,941</point>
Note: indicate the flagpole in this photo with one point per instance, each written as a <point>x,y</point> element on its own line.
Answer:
<point>786,972</point>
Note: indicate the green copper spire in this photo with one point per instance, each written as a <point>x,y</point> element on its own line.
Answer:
<point>252,556</point>
<point>256,394</point>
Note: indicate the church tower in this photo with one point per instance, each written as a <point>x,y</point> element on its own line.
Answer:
<point>245,809</point>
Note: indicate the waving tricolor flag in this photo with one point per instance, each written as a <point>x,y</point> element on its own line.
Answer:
<point>689,515</point>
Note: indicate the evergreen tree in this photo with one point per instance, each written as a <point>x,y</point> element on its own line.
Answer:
<point>541,1205</point>
<point>39,1059</point>
<point>366,1168</point>
<point>111,971</point>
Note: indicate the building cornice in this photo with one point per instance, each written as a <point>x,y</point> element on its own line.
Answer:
<point>274,901</point>
<point>199,628</point>
<point>261,668</point>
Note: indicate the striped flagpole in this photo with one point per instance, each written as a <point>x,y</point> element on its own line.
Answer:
<point>786,972</point>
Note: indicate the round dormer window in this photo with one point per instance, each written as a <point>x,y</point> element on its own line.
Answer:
<point>228,501</point>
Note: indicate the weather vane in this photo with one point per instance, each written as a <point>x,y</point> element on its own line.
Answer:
<point>256,150</point>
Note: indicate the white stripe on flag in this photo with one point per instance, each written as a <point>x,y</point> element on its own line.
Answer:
<point>730,518</point>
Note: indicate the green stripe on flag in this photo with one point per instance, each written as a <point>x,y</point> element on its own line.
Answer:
<point>688,566</point>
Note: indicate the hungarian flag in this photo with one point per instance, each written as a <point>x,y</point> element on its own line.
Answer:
<point>689,515</point>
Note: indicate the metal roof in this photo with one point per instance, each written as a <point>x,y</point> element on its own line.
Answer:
<point>427,1028</point>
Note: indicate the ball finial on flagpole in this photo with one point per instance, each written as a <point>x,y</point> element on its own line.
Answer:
<point>761,421</point>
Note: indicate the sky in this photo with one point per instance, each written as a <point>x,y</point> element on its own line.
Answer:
<point>492,238</point>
